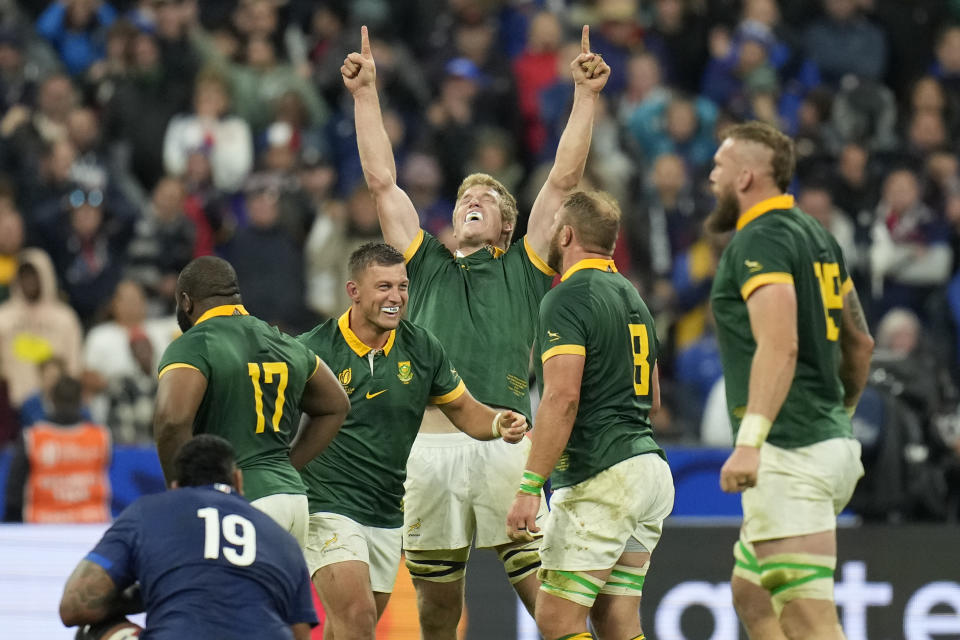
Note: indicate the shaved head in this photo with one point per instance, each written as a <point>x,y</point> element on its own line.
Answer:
<point>209,277</point>
<point>205,283</point>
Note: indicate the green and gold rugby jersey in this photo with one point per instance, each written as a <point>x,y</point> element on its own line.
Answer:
<point>483,309</point>
<point>595,312</point>
<point>255,379</point>
<point>777,243</point>
<point>360,474</point>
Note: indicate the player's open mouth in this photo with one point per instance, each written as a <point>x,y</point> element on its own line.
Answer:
<point>473,216</point>
<point>390,310</point>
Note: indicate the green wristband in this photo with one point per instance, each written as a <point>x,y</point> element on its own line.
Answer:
<point>531,483</point>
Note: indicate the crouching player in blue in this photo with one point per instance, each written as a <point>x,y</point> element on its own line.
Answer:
<point>209,565</point>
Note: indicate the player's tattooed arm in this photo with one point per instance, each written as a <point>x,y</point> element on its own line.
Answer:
<point>856,346</point>
<point>91,596</point>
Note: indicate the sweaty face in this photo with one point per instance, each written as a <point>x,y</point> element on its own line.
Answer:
<point>477,220</point>
<point>381,295</point>
<point>724,216</point>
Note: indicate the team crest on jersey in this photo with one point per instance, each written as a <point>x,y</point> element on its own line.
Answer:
<point>345,377</point>
<point>404,371</point>
<point>752,265</point>
<point>552,336</point>
<point>414,529</point>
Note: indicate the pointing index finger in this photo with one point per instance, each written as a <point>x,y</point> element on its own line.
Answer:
<point>585,39</point>
<point>364,42</point>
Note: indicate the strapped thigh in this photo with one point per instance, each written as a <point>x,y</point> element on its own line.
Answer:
<point>794,576</point>
<point>441,565</point>
<point>520,559</point>
<point>576,586</point>
<point>626,580</point>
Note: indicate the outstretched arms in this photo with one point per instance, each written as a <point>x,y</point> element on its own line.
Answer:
<point>398,217</point>
<point>590,74</point>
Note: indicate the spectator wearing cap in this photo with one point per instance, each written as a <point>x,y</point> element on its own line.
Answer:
<point>619,35</point>
<point>225,139</point>
<point>77,30</point>
<point>844,42</point>
<point>731,81</point>
<point>35,325</point>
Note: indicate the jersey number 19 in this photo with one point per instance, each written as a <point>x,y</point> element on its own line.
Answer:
<point>237,532</point>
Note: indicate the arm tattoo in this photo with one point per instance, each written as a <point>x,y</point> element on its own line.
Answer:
<point>91,593</point>
<point>856,312</point>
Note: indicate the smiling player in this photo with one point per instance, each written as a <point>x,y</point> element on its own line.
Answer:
<point>482,305</point>
<point>391,370</point>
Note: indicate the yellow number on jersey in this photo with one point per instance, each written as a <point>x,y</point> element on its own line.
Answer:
<point>270,369</point>
<point>828,273</point>
<point>640,343</point>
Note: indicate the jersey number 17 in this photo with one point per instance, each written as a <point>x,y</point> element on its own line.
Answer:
<point>271,372</point>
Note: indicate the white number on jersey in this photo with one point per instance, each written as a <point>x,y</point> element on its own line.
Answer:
<point>237,531</point>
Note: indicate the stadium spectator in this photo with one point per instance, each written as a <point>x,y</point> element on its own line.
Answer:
<point>535,69</point>
<point>39,406</point>
<point>108,350</point>
<point>910,253</point>
<point>141,106</point>
<point>225,139</point>
<point>162,244</point>
<point>59,469</point>
<point>845,42</point>
<point>34,326</point>
<point>11,242</point>
<point>77,30</point>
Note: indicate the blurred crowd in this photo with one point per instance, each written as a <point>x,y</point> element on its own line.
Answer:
<point>138,134</point>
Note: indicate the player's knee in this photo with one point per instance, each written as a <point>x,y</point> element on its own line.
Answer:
<point>360,615</point>
<point>797,576</point>
<point>520,559</point>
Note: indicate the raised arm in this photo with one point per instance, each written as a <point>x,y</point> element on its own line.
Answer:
<point>398,217</point>
<point>477,420</point>
<point>179,395</point>
<point>856,347</point>
<point>325,401</point>
<point>590,74</point>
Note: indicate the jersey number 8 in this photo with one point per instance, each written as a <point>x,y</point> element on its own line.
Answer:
<point>640,343</point>
<point>271,371</point>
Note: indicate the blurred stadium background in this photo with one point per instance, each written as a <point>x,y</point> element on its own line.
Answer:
<point>137,134</point>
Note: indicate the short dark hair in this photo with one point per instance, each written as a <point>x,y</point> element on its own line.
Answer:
<point>783,162</point>
<point>209,277</point>
<point>373,253</point>
<point>205,459</point>
<point>595,216</point>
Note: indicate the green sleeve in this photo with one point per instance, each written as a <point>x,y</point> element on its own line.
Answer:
<point>425,256</point>
<point>189,350</point>
<point>562,328</point>
<point>445,385</point>
<point>760,257</point>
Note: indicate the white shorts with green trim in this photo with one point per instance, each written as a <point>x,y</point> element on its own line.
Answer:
<point>622,508</point>
<point>336,538</point>
<point>800,491</point>
<point>457,487</point>
<point>290,510</point>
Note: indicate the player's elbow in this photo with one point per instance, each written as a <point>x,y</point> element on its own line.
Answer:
<point>380,181</point>
<point>564,180</point>
<point>69,612</point>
